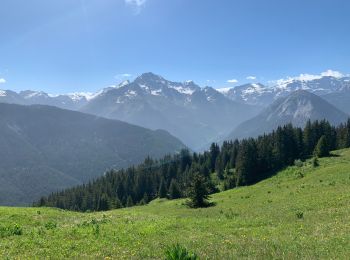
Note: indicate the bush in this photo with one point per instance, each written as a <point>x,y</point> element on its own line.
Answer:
<point>300,174</point>
<point>14,230</point>
<point>177,252</point>
<point>315,162</point>
<point>300,215</point>
<point>50,225</point>
<point>298,163</point>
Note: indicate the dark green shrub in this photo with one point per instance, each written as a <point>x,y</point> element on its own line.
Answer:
<point>177,252</point>
<point>14,230</point>
<point>300,215</point>
<point>300,174</point>
<point>315,162</point>
<point>50,225</point>
<point>298,163</point>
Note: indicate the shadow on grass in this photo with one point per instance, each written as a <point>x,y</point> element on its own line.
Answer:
<point>190,204</point>
<point>333,155</point>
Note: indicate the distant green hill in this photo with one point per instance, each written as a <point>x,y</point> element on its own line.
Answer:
<point>44,149</point>
<point>302,212</point>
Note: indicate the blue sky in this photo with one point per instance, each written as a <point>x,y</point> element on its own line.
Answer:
<point>83,45</point>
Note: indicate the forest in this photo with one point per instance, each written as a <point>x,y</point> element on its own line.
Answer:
<point>234,163</point>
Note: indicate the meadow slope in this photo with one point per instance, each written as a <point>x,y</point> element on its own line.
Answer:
<point>303,212</point>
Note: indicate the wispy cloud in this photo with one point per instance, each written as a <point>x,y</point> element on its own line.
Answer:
<point>2,81</point>
<point>123,76</point>
<point>307,77</point>
<point>136,5</point>
<point>251,78</point>
<point>232,81</point>
<point>210,81</point>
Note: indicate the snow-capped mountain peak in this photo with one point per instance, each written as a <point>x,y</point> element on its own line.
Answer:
<point>257,94</point>
<point>224,90</point>
<point>29,94</point>
<point>123,83</point>
<point>3,93</point>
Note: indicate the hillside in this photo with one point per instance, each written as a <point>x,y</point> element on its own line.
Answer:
<point>296,108</point>
<point>44,149</point>
<point>302,212</point>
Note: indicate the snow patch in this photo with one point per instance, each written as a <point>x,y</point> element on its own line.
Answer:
<point>183,90</point>
<point>77,96</point>
<point>36,94</point>
<point>224,90</point>
<point>282,83</point>
<point>131,93</point>
<point>144,86</point>
<point>156,92</point>
<point>3,93</point>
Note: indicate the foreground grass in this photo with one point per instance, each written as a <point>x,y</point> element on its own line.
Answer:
<point>303,212</point>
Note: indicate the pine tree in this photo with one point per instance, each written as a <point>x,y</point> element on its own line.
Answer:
<point>118,204</point>
<point>129,202</point>
<point>214,153</point>
<point>246,164</point>
<point>162,189</point>
<point>322,147</point>
<point>315,162</point>
<point>219,167</point>
<point>198,192</point>
<point>347,135</point>
<point>174,190</point>
<point>145,198</point>
<point>103,204</point>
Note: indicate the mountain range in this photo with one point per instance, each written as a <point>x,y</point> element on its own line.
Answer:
<point>296,108</point>
<point>195,115</point>
<point>44,149</point>
<point>331,88</point>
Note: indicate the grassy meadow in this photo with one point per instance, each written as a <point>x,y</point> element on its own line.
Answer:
<point>302,212</point>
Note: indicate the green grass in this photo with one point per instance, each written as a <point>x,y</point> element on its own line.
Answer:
<point>303,212</point>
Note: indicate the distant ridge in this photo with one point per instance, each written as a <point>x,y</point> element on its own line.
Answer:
<point>297,108</point>
<point>44,149</point>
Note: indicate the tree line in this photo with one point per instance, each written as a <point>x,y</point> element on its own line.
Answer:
<point>235,163</point>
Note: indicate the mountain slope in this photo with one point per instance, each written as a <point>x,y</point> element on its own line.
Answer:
<point>195,115</point>
<point>284,217</point>
<point>297,108</point>
<point>44,149</point>
<point>341,100</point>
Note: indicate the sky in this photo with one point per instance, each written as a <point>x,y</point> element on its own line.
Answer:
<point>62,46</point>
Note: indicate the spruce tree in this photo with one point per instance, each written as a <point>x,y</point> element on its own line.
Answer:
<point>214,153</point>
<point>103,203</point>
<point>145,198</point>
<point>322,147</point>
<point>162,189</point>
<point>198,193</point>
<point>174,190</point>
<point>118,204</point>
<point>246,163</point>
<point>129,202</point>
<point>347,135</point>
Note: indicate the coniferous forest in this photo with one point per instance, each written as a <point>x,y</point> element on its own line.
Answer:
<point>235,163</point>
